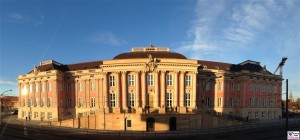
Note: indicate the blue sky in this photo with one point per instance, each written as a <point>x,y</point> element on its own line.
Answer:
<point>78,31</point>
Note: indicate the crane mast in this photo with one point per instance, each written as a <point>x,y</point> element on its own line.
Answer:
<point>281,64</point>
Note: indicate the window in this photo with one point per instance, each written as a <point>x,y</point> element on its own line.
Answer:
<point>275,103</point>
<point>68,87</point>
<point>169,80</point>
<point>269,88</point>
<point>263,114</point>
<point>42,115</point>
<point>256,101</point>
<point>128,123</point>
<point>264,102</point>
<point>80,86</point>
<point>93,102</point>
<point>130,100</point>
<point>112,100</point>
<point>188,80</point>
<point>256,114</point>
<point>49,102</point>
<point>30,102</point>
<point>257,88</point>
<point>49,115</point>
<point>36,115</point>
<point>250,86</point>
<point>219,102</point>
<point>24,102</point>
<point>92,86</point>
<point>275,89</point>
<point>60,87</point>
<point>69,103</point>
<point>231,87</point>
<point>238,86</point>
<point>36,87</point>
<point>111,81</point>
<point>230,102</point>
<point>36,102</point>
<point>168,99</point>
<point>150,80</point>
<point>49,86</point>
<point>80,102</point>
<point>130,80</point>
<point>220,86</point>
<point>43,102</point>
<point>207,86</point>
<point>250,102</point>
<point>207,103</point>
<point>270,102</point>
<point>43,87</point>
<point>263,87</point>
<point>30,88</point>
<point>249,114</point>
<point>187,99</point>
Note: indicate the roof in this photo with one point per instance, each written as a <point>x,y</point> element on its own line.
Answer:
<point>155,54</point>
<point>70,67</point>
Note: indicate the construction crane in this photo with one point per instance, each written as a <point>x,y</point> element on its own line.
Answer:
<point>281,65</point>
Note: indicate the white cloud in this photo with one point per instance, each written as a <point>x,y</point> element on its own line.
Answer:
<point>107,38</point>
<point>22,19</point>
<point>8,82</point>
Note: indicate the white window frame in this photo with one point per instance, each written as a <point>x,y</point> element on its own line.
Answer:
<point>111,81</point>
<point>275,89</point>
<point>188,80</point>
<point>150,80</point>
<point>231,86</point>
<point>187,99</point>
<point>69,87</point>
<point>130,99</point>
<point>207,102</point>
<point>80,86</point>
<point>250,86</point>
<point>238,86</point>
<point>169,99</point>
<point>220,86</point>
<point>93,102</point>
<point>49,115</point>
<point>169,80</point>
<point>49,102</point>
<point>43,102</point>
<point>80,102</point>
<point>36,102</point>
<point>130,79</point>
<point>69,102</point>
<point>92,86</point>
<point>250,102</point>
<point>219,102</point>
<point>36,115</point>
<point>112,100</point>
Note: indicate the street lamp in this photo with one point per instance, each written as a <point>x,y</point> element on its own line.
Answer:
<point>1,104</point>
<point>203,101</point>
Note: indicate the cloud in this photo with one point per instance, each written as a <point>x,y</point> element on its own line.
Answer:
<point>107,38</point>
<point>24,19</point>
<point>8,82</point>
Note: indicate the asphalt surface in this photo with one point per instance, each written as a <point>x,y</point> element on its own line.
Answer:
<point>12,129</point>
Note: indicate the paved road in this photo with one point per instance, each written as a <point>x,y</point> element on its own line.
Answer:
<point>16,130</point>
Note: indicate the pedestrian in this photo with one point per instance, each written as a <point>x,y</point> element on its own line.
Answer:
<point>26,118</point>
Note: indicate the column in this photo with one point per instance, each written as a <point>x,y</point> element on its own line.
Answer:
<point>156,81</point>
<point>175,84</point>
<point>181,97</point>
<point>144,97</point>
<point>118,101</point>
<point>124,89</point>
<point>97,83</point>
<point>137,89</point>
<point>193,94</point>
<point>105,93</point>
<point>163,88</point>
<point>76,93</point>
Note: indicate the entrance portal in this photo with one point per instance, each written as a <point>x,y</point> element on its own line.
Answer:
<point>172,124</point>
<point>150,124</point>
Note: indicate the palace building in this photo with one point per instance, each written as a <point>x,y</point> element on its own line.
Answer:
<point>149,89</point>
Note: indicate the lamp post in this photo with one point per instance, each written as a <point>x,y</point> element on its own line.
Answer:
<point>203,101</point>
<point>1,105</point>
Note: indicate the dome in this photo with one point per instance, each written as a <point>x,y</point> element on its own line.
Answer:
<point>145,52</point>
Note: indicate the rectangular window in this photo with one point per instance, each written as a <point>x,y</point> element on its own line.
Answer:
<point>187,99</point>
<point>207,103</point>
<point>188,80</point>
<point>42,115</point>
<point>60,87</point>
<point>130,100</point>
<point>130,80</point>
<point>128,123</point>
<point>36,115</point>
<point>220,86</point>
<point>263,87</point>
<point>30,102</point>
<point>36,102</point>
<point>249,114</point>
<point>275,103</point>
<point>93,102</point>
<point>69,103</point>
<point>112,100</point>
<point>92,86</point>
<point>150,80</point>
<point>49,86</point>
<point>169,80</point>
<point>264,102</point>
<point>256,101</point>
<point>250,86</point>
<point>257,88</point>
<point>30,88</point>
<point>231,87</point>
<point>43,87</point>
<point>49,102</point>
<point>80,102</point>
<point>275,89</point>
<point>43,102</point>
<point>168,99</point>
<point>256,114</point>
<point>263,114</point>
<point>68,87</point>
<point>36,87</point>
<point>270,103</point>
<point>80,86</point>
<point>230,102</point>
<point>219,102</point>
<point>24,102</point>
<point>49,115</point>
<point>238,86</point>
<point>250,102</point>
<point>111,81</point>
<point>207,86</point>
